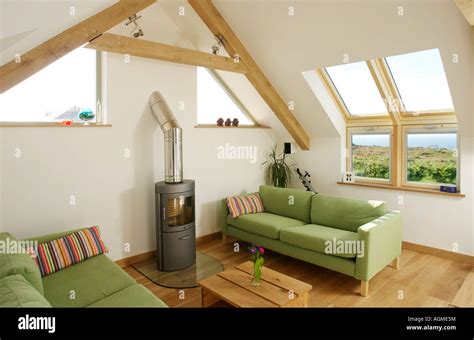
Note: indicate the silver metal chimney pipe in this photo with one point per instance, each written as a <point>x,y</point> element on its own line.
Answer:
<point>173,138</point>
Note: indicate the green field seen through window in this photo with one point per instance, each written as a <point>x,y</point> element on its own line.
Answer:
<point>431,157</point>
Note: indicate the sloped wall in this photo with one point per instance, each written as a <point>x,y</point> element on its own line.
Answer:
<point>109,173</point>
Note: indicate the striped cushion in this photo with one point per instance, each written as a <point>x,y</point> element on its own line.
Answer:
<point>66,251</point>
<point>240,205</point>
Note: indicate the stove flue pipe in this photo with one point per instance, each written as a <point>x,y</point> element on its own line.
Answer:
<point>173,137</point>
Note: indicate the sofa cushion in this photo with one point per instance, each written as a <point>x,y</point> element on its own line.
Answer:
<point>345,213</point>
<point>265,224</point>
<point>321,239</point>
<point>133,296</point>
<point>19,263</point>
<point>66,251</point>
<point>15,291</point>
<point>88,281</point>
<point>245,204</point>
<point>291,203</point>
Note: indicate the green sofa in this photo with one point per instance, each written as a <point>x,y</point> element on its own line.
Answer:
<point>95,282</point>
<point>354,237</point>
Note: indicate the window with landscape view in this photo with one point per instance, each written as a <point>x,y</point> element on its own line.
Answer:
<point>431,157</point>
<point>370,155</point>
<point>72,87</point>
<point>422,125</point>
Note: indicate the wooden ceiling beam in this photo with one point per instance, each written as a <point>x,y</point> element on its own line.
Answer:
<point>153,50</point>
<point>467,9</point>
<point>218,26</point>
<point>51,50</point>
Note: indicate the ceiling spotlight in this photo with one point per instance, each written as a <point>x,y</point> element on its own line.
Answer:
<point>137,31</point>
<point>218,44</point>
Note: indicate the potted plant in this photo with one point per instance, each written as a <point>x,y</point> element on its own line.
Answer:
<point>278,168</point>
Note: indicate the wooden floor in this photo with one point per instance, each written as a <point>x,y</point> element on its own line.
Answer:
<point>422,281</point>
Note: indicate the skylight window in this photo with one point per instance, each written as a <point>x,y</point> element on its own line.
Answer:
<point>421,81</point>
<point>357,89</point>
<point>215,100</point>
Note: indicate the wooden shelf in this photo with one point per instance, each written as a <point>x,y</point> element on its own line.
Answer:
<point>404,188</point>
<point>212,126</point>
<point>51,124</point>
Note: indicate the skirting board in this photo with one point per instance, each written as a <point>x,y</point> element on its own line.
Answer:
<point>459,257</point>
<point>128,261</point>
<point>405,245</point>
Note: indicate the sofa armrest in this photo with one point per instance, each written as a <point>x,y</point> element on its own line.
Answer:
<point>224,212</point>
<point>382,239</point>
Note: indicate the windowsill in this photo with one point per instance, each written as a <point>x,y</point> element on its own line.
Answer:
<point>51,124</point>
<point>404,188</point>
<point>213,126</point>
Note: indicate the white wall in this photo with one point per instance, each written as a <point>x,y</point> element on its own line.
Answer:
<point>111,190</point>
<point>319,34</point>
<point>118,193</point>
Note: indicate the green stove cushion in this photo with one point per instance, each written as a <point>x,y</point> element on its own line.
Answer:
<point>291,203</point>
<point>314,237</point>
<point>88,281</point>
<point>264,224</point>
<point>345,213</point>
<point>133,296</point>
<point>19,263</point>
<point>15,291</point>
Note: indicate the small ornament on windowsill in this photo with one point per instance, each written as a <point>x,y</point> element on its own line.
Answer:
<point>67,122</point>
<point>220,122</point>
<point>85,115</point>
<point>228,122</point>
<point>348,177</point>
<point>235,122</point>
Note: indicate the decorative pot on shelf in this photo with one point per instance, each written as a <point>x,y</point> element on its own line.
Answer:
<point>228,122</point>
<point>235,122</point>
<point>220,122</point>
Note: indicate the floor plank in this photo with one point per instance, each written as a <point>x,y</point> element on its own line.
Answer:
<point>421,281</point>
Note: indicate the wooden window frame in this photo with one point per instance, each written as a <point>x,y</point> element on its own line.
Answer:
<point>98,98</point>
<point>232,97</point>
<point>369,130</point>
<point>440,128</point>
<point>398,121</point>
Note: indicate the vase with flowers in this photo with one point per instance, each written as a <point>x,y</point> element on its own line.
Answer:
<point>257,258</point>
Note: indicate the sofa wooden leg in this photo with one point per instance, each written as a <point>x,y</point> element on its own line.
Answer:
<point>396,263</point>
<point>364,288</point>
<point>224,238</point>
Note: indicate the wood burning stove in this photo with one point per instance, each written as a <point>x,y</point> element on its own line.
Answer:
<point>175,225</point>
<point>174,197</point>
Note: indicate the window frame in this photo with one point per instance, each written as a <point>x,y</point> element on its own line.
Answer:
<point>335,95</point>
<point>342,104</point>
<point>398,120</point>
<point>98,98</point>
<point>403,112</point>
<point>427,129</point>
<point>369,130</point>
<point>232,97</point>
